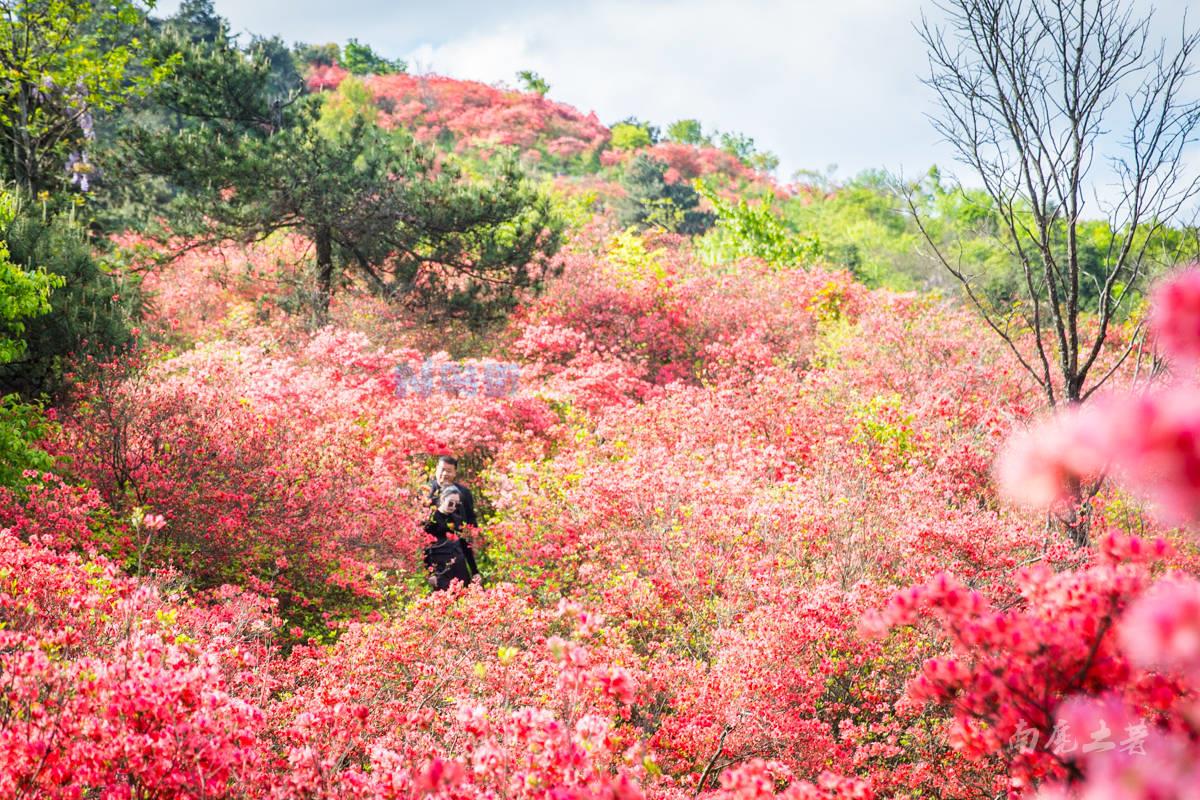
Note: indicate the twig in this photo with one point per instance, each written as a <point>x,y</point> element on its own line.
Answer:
<point>729,726</point>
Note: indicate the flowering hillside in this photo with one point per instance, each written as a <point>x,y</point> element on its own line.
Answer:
<point>749,528</point>
<point>472,117</point>
<point>475,115</point>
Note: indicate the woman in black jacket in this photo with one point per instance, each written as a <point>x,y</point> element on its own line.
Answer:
<point>449,556</point>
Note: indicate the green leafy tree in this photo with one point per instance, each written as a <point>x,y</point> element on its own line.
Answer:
<point>195,30</point>
<point>738,144</point>
<point>754,230</point>
<point>652,202</point>
<point>742,146</point>
<point>360,59</point>
<point>533,82</point>
<point>251,160</point>
<point>91,308</point>
<point>862,225</point>
<point>22,427</point>
<point>61,63</point>
<point>197,21</point>
<point>688,131</point>
<point>322,55</point>
<point>626,136</point>
<point>632,133</point>
<point>23,293</point>
<point>764,161</point>
<point>352,100</point>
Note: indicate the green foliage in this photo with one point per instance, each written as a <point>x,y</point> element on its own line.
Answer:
<point>574,209</point>
<point>22,427</point>
<point>195,40</point>
<point>532,82</point>
<point>284,80</point>
<point>321,55</point>
<point>972,232</point>
<point>688,131</point>
<point>737,144</point>
<point>862,228</point>
<point>651,202</point>
<point>965,222</point>
<point>197,21</point>
<point>883,431</point>
<point>343,108</point>
<point>629,136</point>
<point>24,293</point>
<point>864,225</point>
<point>746,230</point>
<point>360,59</point>
<point>764,161</point>
<point>220,88</point>
<point>92,304</point>
<point>632,263</point>
<point>254,157</point>
<point>742,146</point>
<point>65,62</point>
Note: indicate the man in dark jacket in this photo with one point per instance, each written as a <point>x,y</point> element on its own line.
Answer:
<point>445,475</point>
<point>449,556</point>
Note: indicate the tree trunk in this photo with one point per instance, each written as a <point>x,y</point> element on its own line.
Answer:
<point>23,160</point>
<point>1079,527</point>
<point>1077,522</point>
<point>324,243</point>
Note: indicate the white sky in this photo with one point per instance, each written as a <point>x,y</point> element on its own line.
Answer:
<point>816,82</point>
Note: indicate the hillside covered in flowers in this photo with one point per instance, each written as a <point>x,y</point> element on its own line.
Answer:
<point>765,510</point>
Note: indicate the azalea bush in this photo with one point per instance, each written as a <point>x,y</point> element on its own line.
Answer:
<point>286,471</point>
<point>112,687</point>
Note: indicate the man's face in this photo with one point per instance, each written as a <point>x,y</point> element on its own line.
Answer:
<point>445,473</point>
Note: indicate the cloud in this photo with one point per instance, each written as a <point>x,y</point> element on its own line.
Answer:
<point>815,83</point>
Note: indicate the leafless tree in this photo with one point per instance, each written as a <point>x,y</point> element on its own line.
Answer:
<point>1031,95</point>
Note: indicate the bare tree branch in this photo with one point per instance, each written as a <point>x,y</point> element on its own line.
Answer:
<point>1026,91</point>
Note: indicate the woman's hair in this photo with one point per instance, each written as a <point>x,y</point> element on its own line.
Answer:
<point>449,490</point>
